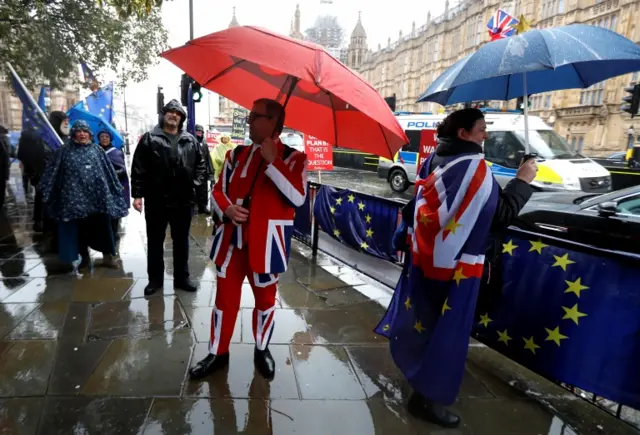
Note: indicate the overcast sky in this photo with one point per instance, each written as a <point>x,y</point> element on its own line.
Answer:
<point>379,22</point>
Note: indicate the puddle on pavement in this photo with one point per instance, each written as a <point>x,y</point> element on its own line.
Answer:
<point>136,317</point>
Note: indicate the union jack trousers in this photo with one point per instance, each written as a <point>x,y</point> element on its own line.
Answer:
<point>228,294</point>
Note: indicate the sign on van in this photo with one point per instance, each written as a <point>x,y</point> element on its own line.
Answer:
<point>319,154</point>
<point>428,143</point>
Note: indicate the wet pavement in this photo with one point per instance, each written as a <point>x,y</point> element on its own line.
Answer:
<point>89,354</point>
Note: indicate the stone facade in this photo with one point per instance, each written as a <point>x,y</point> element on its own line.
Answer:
<point>11,107</point>
<point>589,119</point>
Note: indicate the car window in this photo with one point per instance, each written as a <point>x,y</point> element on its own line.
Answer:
<point>629,205</point>
<point>414,141</point>
<point>502,148</point>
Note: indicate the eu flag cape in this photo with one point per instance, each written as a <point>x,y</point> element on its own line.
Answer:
<point>431,314</point>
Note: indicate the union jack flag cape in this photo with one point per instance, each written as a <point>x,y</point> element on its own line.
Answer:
<point>502,25</point>
<point>431,314</point>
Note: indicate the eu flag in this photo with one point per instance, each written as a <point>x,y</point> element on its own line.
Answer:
<point>360,221</point>
<point>42,103</point>
<point>32,117</point>
<point>100,103</point>
<point>89,78</point>
<point>431,314</point>
<point>569,315</point>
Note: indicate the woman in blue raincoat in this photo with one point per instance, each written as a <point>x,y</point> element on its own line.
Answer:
<point>116,157</point>
<point>81,192</point>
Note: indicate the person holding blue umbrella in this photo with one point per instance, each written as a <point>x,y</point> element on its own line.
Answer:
<point>429,319</point>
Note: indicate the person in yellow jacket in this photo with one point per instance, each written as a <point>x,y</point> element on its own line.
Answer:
<point>219,153</point>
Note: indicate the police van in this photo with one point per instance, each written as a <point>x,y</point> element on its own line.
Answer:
<point>559,167</point>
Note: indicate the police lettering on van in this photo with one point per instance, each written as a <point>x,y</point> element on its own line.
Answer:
<point>559,166</point>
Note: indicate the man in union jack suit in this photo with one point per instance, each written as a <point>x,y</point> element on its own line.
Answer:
<point>254,200</point>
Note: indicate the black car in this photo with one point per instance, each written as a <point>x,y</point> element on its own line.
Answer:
<point>609,221</point>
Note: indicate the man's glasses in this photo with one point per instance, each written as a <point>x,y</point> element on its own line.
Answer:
<point>253,116</point>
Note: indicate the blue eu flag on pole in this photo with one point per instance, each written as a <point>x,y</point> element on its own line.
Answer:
<point>571,316</point>
<point>89,77</point>
<point>359,221</point>
<point>431,314</point>
<point>100,103</point>
<point>42,103</point>
<point>33,118</point>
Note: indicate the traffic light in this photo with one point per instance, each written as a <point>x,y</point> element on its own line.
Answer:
<point>632,101</point>
<point>391,101</point>
<point>520,103</point>
<point>196,93</point>
<point>185,82</point>
<point>160,100</point>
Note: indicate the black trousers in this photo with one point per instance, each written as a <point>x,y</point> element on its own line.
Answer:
<point>202,196</point>
<point>3,191</point>
<point>179,219</point>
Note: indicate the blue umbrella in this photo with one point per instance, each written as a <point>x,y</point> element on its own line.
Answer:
<point>96,124</point>
<point>574,56</point>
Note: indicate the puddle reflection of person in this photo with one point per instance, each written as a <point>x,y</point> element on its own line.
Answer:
<point>258,417</point>
<point>10,250</point>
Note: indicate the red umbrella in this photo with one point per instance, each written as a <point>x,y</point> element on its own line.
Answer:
<point>323,97</point>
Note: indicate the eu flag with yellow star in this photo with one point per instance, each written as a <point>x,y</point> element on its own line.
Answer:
<point>100,103</point>
<point>570,315</point>
<point>429,320</point>
<point>33,118</point>
<point>360,221</point>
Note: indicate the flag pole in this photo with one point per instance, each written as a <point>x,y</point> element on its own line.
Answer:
<point>30,97</point>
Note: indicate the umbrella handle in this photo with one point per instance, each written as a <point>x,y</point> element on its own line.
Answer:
<point>525,101</point>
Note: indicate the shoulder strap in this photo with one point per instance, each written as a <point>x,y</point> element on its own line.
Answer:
<point>236,153</point>
<point>287,151</point>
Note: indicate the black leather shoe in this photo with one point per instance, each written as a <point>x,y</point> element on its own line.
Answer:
<point>151,288</point>
<point>208,365</point>
<point>425,409</point>
<point>185,285</point>
<point>204,211</point>
<point>264,363</point>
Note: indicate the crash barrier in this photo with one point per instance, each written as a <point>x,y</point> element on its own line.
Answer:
<point>567,311</point>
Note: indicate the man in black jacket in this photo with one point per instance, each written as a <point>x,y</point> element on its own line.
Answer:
<point>35,154</point>
<point>167,168</point>
<point>203,190</point>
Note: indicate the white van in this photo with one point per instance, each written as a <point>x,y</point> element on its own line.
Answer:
<point>559,167</point>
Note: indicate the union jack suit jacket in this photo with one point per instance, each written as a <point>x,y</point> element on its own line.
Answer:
<point>280,188</point>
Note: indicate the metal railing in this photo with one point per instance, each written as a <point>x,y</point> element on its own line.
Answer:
<point>307,231</point>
